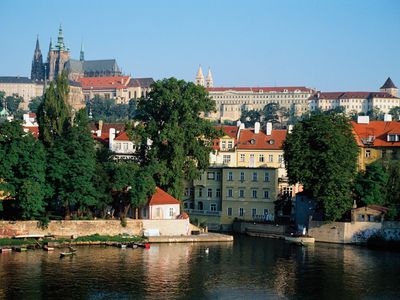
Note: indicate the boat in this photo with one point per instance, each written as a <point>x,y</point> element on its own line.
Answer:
<point>21,249</point>
<point>72,251</point>
<point>5,250</point>
<point>47,248</point>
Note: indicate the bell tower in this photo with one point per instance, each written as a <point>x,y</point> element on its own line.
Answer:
<point>37,70</point>
<point>200,77</point>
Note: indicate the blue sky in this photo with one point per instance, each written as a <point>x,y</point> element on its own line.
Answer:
<point>330,45</point>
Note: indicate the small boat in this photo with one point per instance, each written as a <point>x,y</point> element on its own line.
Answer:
<point>5,250</point>
<point>72,251</point>
<point>122,246</point>
<point>21,249</point>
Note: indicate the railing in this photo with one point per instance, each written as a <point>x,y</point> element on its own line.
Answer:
<point>203,212</point>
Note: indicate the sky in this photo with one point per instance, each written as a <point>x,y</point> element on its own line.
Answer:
<point>330,45</point>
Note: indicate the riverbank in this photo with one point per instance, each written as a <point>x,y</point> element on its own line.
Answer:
<point>204,237</point>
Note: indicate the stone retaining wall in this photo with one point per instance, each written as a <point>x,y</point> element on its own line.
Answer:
<point>243,227</point>
<point>101,227</point>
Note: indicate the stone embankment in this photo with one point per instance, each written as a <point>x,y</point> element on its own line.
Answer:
<point>204,237</point>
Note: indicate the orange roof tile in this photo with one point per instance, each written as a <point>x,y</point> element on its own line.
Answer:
<point>160,197</point>
<point>122,137</point>
<point>104,82</point>
<point>250,140</point>
<point>230,131</point>
<point>378,131</point>
<point>32,129</point>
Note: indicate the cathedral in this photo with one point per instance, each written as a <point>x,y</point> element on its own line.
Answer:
<point>58,60</point>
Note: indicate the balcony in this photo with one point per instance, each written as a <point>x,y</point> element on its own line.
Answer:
<point>203,212</point>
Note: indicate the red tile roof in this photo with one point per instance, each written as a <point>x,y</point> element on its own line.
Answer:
<point>250,140</point>
<point>377,132</point>
<point>104,82</point>
<point>32,129</point>
<point>122,137</point>
<point>350,95</point>
<point>160,197</point>
<point>230,131</point>
<point>279,89</point>
<point>105,130</point>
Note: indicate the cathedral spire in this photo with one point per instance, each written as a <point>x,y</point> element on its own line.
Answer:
<point>209,79</point>
<point>60,39</point>
<point>82,53</point>
<point>37,71</point>
<point>51,44</point>
<point>200,77</point>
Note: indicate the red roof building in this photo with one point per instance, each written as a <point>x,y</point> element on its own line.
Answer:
<point>161,206</point>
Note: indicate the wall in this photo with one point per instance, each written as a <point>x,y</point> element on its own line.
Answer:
<point>102,227</point>
<point>243,227</point>
<point>341,232</point>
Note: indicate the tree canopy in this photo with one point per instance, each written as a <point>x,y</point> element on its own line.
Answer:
<point>170,117</point>
<point>109,111</point>
<point>321,153</point>
<point>249,117</point>
<point>395,112</point>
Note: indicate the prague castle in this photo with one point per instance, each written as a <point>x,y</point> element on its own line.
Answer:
<point>59,60</point>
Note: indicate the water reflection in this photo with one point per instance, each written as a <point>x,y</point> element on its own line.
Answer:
<point>247,268</point>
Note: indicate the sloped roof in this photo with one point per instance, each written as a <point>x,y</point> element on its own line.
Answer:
<point>141,82</point>
<point>101,65</point>
<point>388,84</point>
<point>349,95</point>
<point>250,140</point>
<point>122,137</point>
<point>15,79</point>
<point>377,131</point>
<point>161,197</point>
<point>104,82</point>
<point>267,89</point>
<point>74,66</point>
<point>228,130</point>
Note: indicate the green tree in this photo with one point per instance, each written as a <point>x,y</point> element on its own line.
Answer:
<point>370,185</point>
<point>321,153</point>
<point>249,117</point>
<point>393,189</point>
<point>13,103</point>
<point>395,112</point>
<point>22,170</point>
<point>181,138</point>
<point>375,114</point>
<point>132,106</point>
<point>35,103</point>
<point>53,113</point>
<point>109,111</point>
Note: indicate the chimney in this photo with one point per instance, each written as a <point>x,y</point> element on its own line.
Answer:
<point>268,128</point>
<point>111,138</point>
<point>238,123</point>
<point>387,118</point>
<point>290,128</point>
<point>363,119</point>
<point>241,126</point>
<point>101,125</point>
<point>257,127</point>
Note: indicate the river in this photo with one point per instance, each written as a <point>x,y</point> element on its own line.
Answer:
<point>248,268</point>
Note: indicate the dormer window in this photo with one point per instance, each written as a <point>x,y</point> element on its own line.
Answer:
<point>393,137</point>
<point>252,141</point>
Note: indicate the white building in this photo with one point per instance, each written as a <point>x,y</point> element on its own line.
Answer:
<point>161,206</point>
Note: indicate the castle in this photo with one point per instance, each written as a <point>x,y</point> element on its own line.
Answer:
<point>58,60</point>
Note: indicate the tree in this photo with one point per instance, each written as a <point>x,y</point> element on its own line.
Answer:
<point>395,112</point>
<point>22,170</point>
<point>370,185</point>
<point>271,113</point>
<point>132,106</point>
<point>170,117</point>
<point>13,103</point>
<point>72,167</point>
<point>249,117</point>
<point>109,111</point>
<point>35,103</point>
<point>375,114</point>
<point>53,113</point>
<point>393,189</point>
<point>321,153</point>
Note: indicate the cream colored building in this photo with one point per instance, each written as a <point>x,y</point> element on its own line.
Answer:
<point>23,87</point>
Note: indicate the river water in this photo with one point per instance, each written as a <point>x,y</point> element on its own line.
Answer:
<point>248,268</point>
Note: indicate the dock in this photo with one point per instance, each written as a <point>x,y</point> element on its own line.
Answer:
<point>204,237</point>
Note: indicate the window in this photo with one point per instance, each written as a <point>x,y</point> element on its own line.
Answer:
<point>251,157</point>
<point>209,193</point>
<point>171,211</point>
<point>118,146</point>
<point>391,138</point>
<point>254,194</point>
<point>270,158</point>
<point>266,194</point>
<point>186,192</point>
<point>280,158</point>
<point>266,176</point>
<point>125,145</point>
<point>261,158</point>
<point>241,211</point>
<point>230,176</point>
<point>229,211</point>
<point>242,157</point>
<point>241,193</point>
<point>223,144</point>
<point>210,175</point>
<point>367,153</point>
<point>254,176</point>
<point>241,176</point>
<point>191,191</point>
<point>218,176</point>
<point>213,207</point>
<point>226,159</point>
<point>265,211</point>
<point>230,144</point>
<point>200,192</point>
<point>253,212</point>
<point>230,193</point>
<point>218,193</point>
<point>200,205</point>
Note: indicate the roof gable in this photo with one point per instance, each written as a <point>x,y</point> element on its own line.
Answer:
<point>161,197</point>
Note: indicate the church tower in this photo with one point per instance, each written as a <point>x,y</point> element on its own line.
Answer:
<point>209,79</point>
<point>58,56</point>
<point>37,71</point>
<point>82,54</point>
<point>389,87</point>
<point>200,77</point>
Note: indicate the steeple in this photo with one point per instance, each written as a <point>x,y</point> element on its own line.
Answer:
<point>82,53</point>
<point>389,87</point>
<point>60,40</point>
<point>209,79</point>
<point>37,70</point>
<point>200,77</point>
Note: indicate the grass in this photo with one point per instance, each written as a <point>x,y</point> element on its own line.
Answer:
<point>89,238</point>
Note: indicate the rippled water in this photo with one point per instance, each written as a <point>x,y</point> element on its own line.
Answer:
<point>249,268</point>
